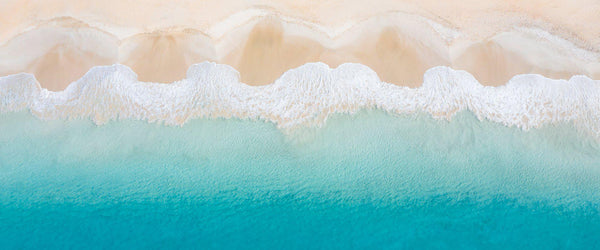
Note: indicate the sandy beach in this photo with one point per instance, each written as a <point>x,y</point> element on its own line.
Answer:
<point>59,41</point>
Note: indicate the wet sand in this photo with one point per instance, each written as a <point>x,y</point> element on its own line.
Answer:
<point>59,41</point>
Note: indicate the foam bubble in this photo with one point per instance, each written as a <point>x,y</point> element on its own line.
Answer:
<point>305,96</point>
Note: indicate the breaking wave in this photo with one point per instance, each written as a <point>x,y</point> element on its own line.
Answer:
<point>305,96</point>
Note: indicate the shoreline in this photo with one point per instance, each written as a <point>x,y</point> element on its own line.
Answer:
<point>305,97</point>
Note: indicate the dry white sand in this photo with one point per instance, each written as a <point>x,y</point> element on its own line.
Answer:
<point>59,40</point>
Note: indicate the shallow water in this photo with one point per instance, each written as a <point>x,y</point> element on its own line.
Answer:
<point>369,180</point>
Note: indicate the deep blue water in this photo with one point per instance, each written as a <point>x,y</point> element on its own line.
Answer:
<point>369,180</point>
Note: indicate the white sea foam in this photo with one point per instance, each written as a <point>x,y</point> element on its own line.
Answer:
<point>305,96</point>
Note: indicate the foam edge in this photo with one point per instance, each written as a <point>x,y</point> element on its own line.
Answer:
<point>305,96</point>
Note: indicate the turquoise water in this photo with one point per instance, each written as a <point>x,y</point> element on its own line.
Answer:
<point>369,180</point>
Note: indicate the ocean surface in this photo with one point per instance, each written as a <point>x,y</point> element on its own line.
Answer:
<point>369,180</point>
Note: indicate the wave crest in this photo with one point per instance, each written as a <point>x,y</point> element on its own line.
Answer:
<point>305,96</point>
